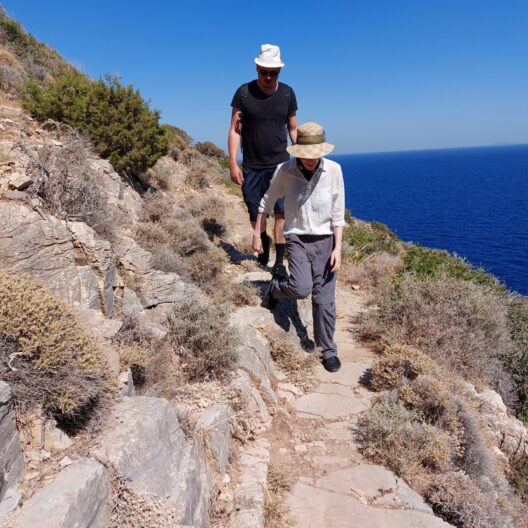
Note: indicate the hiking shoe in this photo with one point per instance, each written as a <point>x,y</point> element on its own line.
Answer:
<point>279,271</point>
<point>263,258</point>
<point>332,364</point>
<point>307,344</point>
<point>271,302</point>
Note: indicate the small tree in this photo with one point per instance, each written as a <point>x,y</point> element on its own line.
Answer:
<point>120,123</point>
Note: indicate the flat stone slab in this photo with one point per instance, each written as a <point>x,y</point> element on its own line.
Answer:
<point>330,406</point>
<point>379,485</point>
<point>313,507</point>
<point>77,498</point>
<point>349,374</point>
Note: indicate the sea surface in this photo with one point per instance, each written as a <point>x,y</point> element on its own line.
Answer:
<point>470,201</point>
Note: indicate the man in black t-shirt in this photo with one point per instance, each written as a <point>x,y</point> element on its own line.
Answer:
<point>263,112</point>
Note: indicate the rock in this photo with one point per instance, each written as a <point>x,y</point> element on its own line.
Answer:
<point>94,320</point>
<point>77,498</point>
<point>378,484</point>
<point>145,443</point>
<point>17,196</point>
<point>10,111</point>
<point>44,435</point>
<point>44,247</point>
<point>250,494</point>
<point>254,357</point>
<point>19,181</point>
<point>11,457</point>
<point>510,434</point>
<point>256,405</point>
<point>153,286</point>
<point>98,254</point>
<point>492,402</point>
<point>214,429</point>
<point>126,384</point>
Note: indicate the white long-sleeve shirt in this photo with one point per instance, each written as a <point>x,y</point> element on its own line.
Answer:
<point>311,207</point>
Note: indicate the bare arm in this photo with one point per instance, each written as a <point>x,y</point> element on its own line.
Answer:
<point>335,259</point>
<point>257,241</point>
<point>292,128</point>
<point>233,145</point>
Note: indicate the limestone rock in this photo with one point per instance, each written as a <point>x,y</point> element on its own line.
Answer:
<point>510,434</point>
<point>11,457</point>
<point>43,246</point>
<point>126,384</point>
<point>255,402</point>
<point>98,254</point>
<point>145,443</point>
<point>19,181</point>
<point>17,196</point>
<point>153,286</point>
<point>77,498</point>
<point>254,357</point>
<point>213,427</point>
<point>250,494</point>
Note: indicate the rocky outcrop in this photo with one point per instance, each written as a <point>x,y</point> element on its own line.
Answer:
<point>78,497</point>
<point>510,434</point>
<point>147,447</point>
<point>11,458</point>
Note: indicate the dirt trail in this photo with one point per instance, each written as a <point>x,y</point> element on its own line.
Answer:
<point>313,440</point>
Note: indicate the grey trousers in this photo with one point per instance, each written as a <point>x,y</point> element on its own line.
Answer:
<point>309,268</point>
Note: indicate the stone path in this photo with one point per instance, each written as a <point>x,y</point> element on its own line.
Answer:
<point>334,486</point>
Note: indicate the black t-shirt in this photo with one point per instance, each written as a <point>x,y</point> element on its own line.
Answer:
<point>264,119</point>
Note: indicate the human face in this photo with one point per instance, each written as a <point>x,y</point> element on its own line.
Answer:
<point>267,77</point>
<point>310,164</point>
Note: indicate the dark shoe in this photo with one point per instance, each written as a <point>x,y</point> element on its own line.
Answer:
<point>307,344</point>
<point>263,258</point>
<point>332,364</point>
<point>271,302</point>
<point>279,271</point>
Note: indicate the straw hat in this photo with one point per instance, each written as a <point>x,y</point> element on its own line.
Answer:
<point>311,142</point>
<point>269,56</point>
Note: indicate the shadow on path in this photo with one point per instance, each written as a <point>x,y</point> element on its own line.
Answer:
<point>235,256</point>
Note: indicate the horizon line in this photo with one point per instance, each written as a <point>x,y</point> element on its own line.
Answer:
<point>494,145</point>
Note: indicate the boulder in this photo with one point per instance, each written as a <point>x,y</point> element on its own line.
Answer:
<point>11,457</point>
<point>77,498</point>
<point>510,434</point>
<point>154,287</point>
<point>19,181</point>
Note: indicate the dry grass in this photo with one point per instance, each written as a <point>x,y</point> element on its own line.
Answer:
<point>45,355</point>
<point>279,483</point>
<point>244,294</point>
<point>369,272</point>
<point>65,182</point>
<point>201,334</point>
<point>396,437</point>
<point>294,362</point>
<point>460,323</point>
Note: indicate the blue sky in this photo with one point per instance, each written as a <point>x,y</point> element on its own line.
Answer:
<point>379,75</point>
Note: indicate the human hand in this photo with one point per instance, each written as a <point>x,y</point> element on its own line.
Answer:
<point>236,175</point>
<point>257,243</point>
<point>335,260</point>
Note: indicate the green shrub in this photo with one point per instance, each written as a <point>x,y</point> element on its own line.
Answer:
<point>209,149</point>
<point>120,123</point>
<point>517,362</point>
<point>45,355</point>
<point>361,240</point>
<point>425,262</point>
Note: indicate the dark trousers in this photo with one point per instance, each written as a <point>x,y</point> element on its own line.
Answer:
<point>309,268</point>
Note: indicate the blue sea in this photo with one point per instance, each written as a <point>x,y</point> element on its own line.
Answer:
<point>470,201</point>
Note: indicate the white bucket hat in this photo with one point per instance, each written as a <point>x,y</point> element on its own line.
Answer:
<point>269,57</point>
<point>311,142</point>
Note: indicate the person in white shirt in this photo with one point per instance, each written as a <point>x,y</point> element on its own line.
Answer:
<point>314,204</point>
